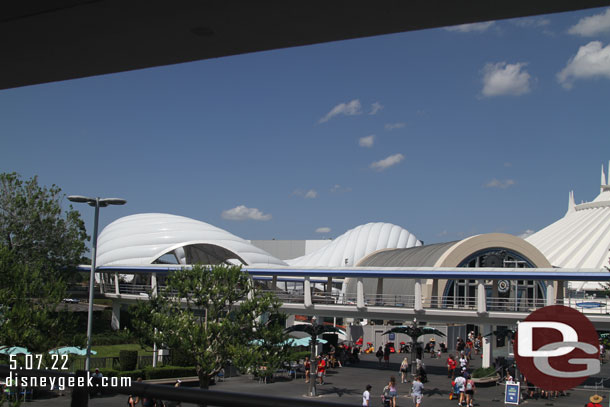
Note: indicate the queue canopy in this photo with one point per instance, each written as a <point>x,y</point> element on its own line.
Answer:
<point>74,350</point>
<point>13,350</point>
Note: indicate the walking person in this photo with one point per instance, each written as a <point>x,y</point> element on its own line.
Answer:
<point>389,393</point>
<point>307,366</point>
<point>460,387</point>
<point>451,365</point>
<point>417,391</point>
<point>470,389</point>
<point>404,370</point>
<point>386,355</point>
<point>366,396</point>
<point>393,390</point>
<point>321,369</point>
<point>379,354</point>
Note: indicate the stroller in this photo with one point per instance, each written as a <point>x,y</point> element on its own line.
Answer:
<point>385,397</point>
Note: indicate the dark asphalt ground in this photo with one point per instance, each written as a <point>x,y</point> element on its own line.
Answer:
<point>345,385</point>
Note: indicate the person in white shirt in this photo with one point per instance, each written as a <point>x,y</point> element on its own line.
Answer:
<point>366,396</point>
<point>460,384</point>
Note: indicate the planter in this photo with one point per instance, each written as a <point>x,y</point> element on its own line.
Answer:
<point>486,381</point>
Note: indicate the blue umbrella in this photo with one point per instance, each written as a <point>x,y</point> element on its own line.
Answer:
<point>13,350</point>
<point>71,349</point>
<point>305,341</point>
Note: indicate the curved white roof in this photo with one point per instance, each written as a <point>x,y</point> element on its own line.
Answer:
<point>581,239</point>
<point>356,244</point>
<point>141,239</point>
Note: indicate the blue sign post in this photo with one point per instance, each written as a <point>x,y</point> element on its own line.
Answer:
<point>392,336</point>
<point>512,393</point>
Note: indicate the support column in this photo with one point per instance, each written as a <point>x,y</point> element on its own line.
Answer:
<point>560,292</point>
<point>418,300</point>
<point>494,295</point>
<point>307,292</point>
<point>155,352</point>
<point>434,301</point>
<point>153,284</point>
<point>115,322</point>
<point>481,297</point>
<point>550,293</point>
<point>329,285</point>
<point>379,296</point>
<point>116,284</point>
<point>274,283</point>
<point>488,346</point>
<point>360,293</point>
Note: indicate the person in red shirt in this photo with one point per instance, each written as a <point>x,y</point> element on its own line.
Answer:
<point>321,369</point>
<point>451,365</point>
<point>595,401</point>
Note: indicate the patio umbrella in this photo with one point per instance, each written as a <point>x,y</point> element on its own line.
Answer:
<point>71,349</point>
<point>13,350</point>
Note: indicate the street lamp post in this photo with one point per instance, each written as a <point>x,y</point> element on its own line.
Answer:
<point>97,203</point>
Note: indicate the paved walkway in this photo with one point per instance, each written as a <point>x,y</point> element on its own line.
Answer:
<point>346,385</point>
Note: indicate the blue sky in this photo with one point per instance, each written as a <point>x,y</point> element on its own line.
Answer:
<point>446,132</point>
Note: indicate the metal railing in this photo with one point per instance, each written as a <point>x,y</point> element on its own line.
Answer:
<point>183,394</point>
<point>597,306</point>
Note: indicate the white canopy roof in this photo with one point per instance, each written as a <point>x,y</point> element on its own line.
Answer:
<point>357,243</point>
<point>581,239</point>
<point>142,239</point>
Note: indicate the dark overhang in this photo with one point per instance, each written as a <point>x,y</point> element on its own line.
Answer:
<point>52,40</point>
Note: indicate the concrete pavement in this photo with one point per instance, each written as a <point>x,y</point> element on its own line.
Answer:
<point>345,385</point>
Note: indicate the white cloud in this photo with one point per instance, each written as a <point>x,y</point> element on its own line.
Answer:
<point>527,233</point>
<point>387,162</point>
<point>496,183</point>
<point>376,107</point>
<point>505,79</point>
<point>464,28</point>
<point>508,164</point>
<point>242,212</point>
<point>349,109</point>
<point>592,25</point>
<point>367,141</point>
<point>311,194</point>
<point>323,230</point>
<point>591,61</point>
<point>393,126</point>
<point>443,233</point>
<point>338,188</point>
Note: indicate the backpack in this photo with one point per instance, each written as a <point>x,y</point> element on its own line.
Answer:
<point>469,385</point>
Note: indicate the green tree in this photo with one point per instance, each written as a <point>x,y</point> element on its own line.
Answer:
<point>36,230</point>
<point>32,314</point>
<point>214,315</point>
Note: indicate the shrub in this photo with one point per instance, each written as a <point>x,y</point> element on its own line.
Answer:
<point>483,372</point>
<point>299,355</point>
<point>128,359</point>
<point>109,372</point>
<point>113,338</point>
<point>169,372</point>
<point>134,374</point>
<point>180,358</point>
